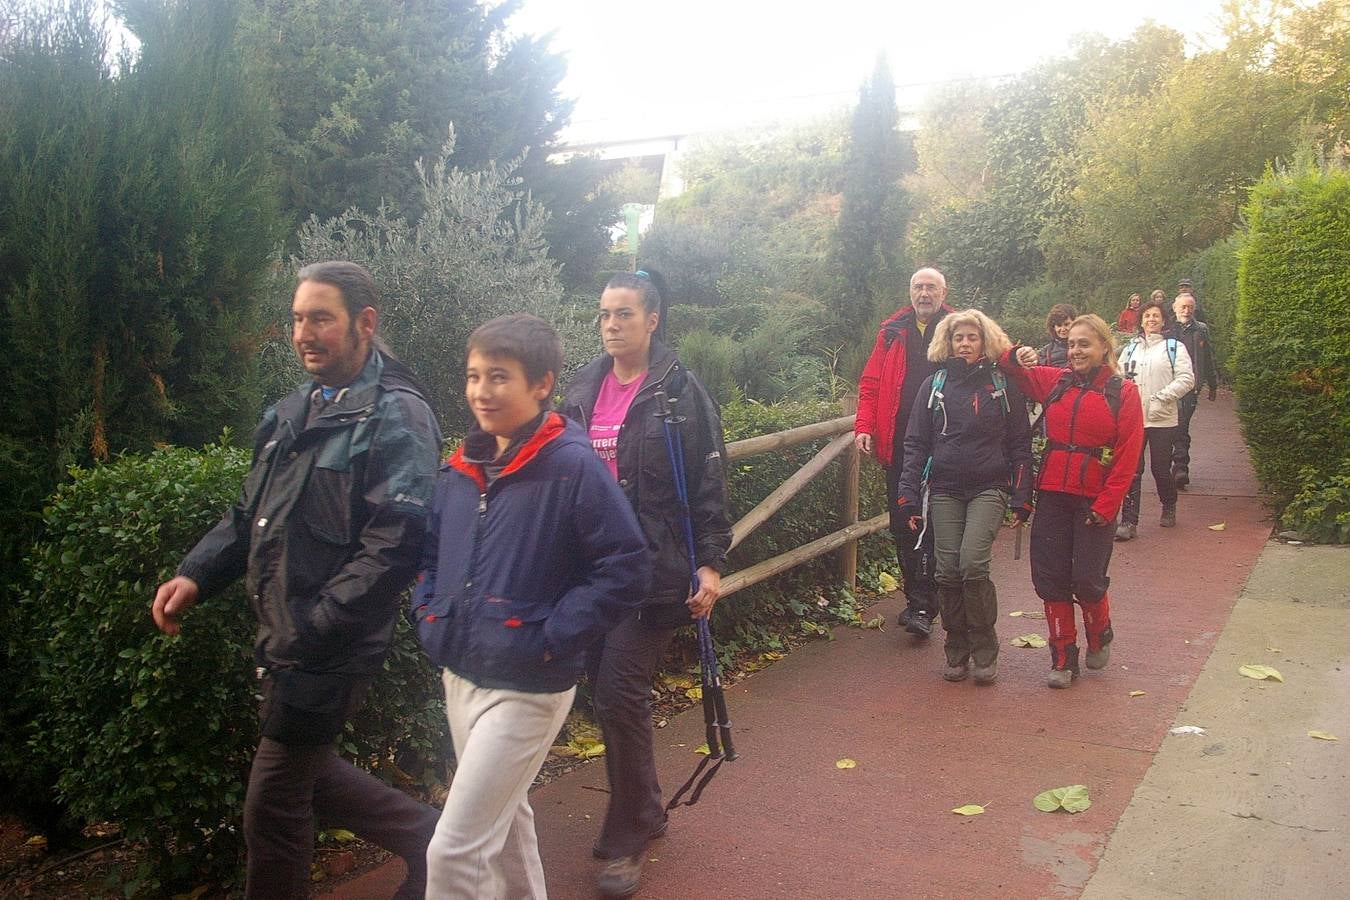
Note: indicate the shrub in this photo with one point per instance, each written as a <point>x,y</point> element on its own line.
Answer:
<point>1321,509</point>
<point>149,731</point>
<point>1292,359</point>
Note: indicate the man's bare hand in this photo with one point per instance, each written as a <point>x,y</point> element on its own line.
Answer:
<point>171,601</point>
<point>1026,357</point>
<point>863,442</point>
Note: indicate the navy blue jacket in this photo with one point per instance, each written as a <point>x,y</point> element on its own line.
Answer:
<point>527,572</point>
<point>974,443</point>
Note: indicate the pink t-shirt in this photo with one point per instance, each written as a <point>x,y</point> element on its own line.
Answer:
<point>611,408</point>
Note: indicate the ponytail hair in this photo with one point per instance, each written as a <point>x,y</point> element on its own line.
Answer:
<point>651,286</point>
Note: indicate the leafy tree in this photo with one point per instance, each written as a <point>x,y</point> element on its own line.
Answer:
<point>365,88</point>
<point>868,249</point>
<point>136,217</point>
<point>476,252</point>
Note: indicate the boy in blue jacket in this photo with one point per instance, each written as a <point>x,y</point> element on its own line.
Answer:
<point>536,553</point>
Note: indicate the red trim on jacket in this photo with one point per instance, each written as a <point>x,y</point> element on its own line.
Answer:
<point>1082,417</point>
<point>551,428</point>
<point>877,407</point>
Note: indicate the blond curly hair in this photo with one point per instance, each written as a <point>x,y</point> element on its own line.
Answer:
<point>996,342</point>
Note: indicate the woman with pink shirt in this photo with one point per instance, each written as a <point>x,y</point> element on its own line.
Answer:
<point>615,398</point>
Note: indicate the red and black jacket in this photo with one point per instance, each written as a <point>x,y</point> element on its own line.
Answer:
<point>1079,427</point>
<point>882,380</point>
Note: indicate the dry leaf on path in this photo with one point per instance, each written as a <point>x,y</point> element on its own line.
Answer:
<point>703,748</point>
<point>1015,614</point>
<point>1138,693</point>
<point>1323,736</point>
<point>1274,650</point>
<point>694,693</point>
<point>888,582</point>
<point>1072,798</point>
<point>1187,729</point>
<point>1028,640</point>
<point>845,763</point>
<point>1219,527</point>
<point>969,810</point>
<point>1261,673</point>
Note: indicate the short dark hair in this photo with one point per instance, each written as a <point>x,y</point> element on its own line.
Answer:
<point>1160,306</point>
<point>354,283</point>
<point>1059,314</point>
<point>529,340</point>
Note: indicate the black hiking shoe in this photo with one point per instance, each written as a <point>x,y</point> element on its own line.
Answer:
<point>920,623</point>
<point>1181,476</point>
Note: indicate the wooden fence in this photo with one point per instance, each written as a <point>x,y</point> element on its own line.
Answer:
<point>845,540</point>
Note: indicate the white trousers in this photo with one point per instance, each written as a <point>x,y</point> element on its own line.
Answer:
<point>484,847</point>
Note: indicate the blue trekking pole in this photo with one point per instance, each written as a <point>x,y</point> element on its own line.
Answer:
<point>716,722</point>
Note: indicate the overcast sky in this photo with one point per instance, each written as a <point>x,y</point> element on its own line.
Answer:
<point>642,68</point>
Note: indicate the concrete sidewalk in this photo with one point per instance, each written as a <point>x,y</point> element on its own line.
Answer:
<point>785,822</point>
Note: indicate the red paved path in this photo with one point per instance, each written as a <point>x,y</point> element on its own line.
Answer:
<point>785,822</point>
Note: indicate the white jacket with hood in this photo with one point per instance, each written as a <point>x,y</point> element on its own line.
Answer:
<point>1162,380</point>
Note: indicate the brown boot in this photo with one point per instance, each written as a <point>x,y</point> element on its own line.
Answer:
<point>620,877</point>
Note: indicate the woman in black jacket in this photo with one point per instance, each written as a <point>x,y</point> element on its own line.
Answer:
<point>1057,322</point>
<point>614,398</point>
<point>968,449</point>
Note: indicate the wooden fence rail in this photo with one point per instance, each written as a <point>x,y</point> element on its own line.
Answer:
<point>851,531</point>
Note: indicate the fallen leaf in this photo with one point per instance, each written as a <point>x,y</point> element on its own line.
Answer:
<point>703,748</point>
<point>1323,736</point>
<point>771,655</point>
<point>694,693</point>
<point>36,840</point>
<point>1261,673</point>
<point>1028,640</point>
<point>1138,693</point>
<point>1015,614</point>
<point>1072,798</point>
<point>845,763</point>
<point>1034,614</point>
<point>970,810</point>
<point>888,582</point>
<point>879,623</point>
<point>1187,729</point>
<point>1219,527</point>
<point>1274,650</point>
<point>341,835</point>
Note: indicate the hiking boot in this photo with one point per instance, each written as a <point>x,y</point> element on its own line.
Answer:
<point>920,623</point>
<point>986,674</point>
<point>1060,678</point>
<point>658,831</point>
<point>621,876</point>
<point>1181,476</point>
<point>1097,659</point>
<point>1169,517</point>
<point>1126,532</point>
<point>956,673</point>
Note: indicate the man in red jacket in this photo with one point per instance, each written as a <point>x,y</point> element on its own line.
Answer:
<point>887,393</point>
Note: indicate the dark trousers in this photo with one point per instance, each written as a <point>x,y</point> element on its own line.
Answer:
<point>1069,558</point>
<point>917,566</point>
<point>1158,451</point>
<point>1181,446</point>
<point>290,787</point>
<point>621,668</point>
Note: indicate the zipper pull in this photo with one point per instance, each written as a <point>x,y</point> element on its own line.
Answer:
<point>482,504</point>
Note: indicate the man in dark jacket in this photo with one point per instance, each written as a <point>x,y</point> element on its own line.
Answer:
<point>1194,334</point>
<point>886,395</point>
<point>328,531</point>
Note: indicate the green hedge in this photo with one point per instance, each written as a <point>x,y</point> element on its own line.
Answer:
<point>122,723</point>
<point>1292,359</point>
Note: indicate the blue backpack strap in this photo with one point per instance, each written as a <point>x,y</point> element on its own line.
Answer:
<point>939,381</point>
<point>1172,354</point>
<point>1000,387</point>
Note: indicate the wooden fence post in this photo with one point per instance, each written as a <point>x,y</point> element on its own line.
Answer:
<point>848,504</point>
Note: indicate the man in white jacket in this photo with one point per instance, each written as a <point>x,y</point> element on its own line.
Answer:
<point>1161,368</point>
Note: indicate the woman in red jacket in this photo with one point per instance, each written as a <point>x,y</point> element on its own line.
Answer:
<point>1093,419</point>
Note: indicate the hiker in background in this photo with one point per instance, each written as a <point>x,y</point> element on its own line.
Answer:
<point>535,554</point>
<point>1161,368</point>
<point>967,457</point>
<point>1184,286</point>
<point>1057,322</point>
<point>887,392</point>
<point>1128,320</point>
<point>1094,432</point>
<point>615,398</point>
<point>1194,336</point>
